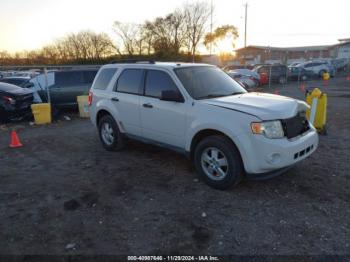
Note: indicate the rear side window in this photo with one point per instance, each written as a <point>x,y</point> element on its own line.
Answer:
<point>65,79</point>
<point>158,81</point>
<point>89,76</point>
<point>130,81</point>
<point>104,77</point>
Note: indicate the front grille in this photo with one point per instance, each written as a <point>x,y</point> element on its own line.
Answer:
<point>295,126</point>
<point>304,152</point>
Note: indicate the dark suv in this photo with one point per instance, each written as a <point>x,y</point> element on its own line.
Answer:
<point>64,86</point>
<point>279,73</point>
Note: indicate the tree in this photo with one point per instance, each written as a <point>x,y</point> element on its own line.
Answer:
<point>168,33</point>
<point>221,33</point>
<point>129,34</point>
<point>197,17</point>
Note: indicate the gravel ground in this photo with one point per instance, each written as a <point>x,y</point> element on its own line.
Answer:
<point>63,194</point>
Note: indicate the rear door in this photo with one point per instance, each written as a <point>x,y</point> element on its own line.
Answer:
<point>162,121</point>
<point>68,85</point>
<point>126,100</point>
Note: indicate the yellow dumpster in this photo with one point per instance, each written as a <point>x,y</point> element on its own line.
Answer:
<point>317,114</point>
<point>83,106</point>
<point>42,113</point>
<point>326,76</point>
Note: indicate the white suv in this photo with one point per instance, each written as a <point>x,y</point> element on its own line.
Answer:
<point>199,110</point>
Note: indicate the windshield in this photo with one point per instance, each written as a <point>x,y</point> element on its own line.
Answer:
<point>203,82</point>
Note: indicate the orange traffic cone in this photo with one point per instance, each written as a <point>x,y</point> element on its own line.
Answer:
<point>15,140</point>
<point>302,88</point>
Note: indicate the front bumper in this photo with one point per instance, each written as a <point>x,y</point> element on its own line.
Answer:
<point>268,175</point>
<point>262,156</point>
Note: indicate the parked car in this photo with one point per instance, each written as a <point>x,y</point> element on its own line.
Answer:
<point>250,73</point>
<point>247,81</point>
<point>200,111</point>
<point>340,64</point>
<point>235,67</point>
<point>298,73</point>
<point>318,68</point>
<point>15,102</point>
<point>278,72</point>
<point>16,80</point>
<point>64,86</point>
<point>294,64</point>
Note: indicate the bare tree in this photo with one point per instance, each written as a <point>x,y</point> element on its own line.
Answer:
<point>221,33</point>
<point>197,17</point>
<point>129,34</point>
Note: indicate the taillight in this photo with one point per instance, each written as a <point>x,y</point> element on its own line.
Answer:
<point>90,98</point>
<point>9,100</point>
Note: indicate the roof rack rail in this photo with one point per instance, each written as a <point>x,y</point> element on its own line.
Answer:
<point>133,61</point>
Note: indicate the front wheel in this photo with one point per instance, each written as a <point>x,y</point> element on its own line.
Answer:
<point>109,134</point>
<point>218,162</point>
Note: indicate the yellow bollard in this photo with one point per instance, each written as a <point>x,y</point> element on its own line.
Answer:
<point>326,76</point>
<point>83,106</point>
<point>317,114</point>
<point>41,113</point>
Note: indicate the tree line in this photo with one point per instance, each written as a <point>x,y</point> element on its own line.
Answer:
<point>175,36</point>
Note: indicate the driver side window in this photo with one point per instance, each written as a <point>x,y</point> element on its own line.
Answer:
<point>158,81</point>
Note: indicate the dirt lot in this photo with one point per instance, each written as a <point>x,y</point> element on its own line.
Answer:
<point>62,188</point>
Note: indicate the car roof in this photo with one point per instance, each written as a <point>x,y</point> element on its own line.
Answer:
<point>159,65</point>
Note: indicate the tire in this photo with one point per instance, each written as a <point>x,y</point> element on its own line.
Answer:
<point>109,134</point>
<point>282,80</point>
<point>321,73</point>
<point>232,171</point>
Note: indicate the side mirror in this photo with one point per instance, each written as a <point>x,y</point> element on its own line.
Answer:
<point>171,95</point>
<point>28,85</point>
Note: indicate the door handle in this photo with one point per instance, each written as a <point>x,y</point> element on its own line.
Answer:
<point>148,105</point>
<point>115,99</point>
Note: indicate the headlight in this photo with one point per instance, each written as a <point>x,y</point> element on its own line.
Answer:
<point>270,129</point>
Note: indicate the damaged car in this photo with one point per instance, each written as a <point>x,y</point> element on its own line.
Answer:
<point>15,102</point>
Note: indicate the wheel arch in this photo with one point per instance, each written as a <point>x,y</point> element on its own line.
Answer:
<point>201,134</point>
<point>101,113</point>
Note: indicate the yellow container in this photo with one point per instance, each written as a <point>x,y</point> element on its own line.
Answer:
<point>326,76</point>
<point>317,114</point>
<point>83,106</point>
<point>42,113</point>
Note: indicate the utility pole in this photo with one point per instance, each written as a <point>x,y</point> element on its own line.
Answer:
<point>211,25</point>
<point>245,24</point>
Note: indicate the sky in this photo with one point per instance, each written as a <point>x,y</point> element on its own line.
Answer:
<point>30,24</point>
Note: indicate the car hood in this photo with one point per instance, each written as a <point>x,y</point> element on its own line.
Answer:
<point>14,90</point>
<point>261,105</point>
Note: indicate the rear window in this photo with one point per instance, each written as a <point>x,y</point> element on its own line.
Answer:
<point>104,77</point>
<point>130,81</point>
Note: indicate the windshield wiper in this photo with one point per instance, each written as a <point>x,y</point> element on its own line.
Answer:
<point>236,93</point>
<point>221,95</point>
<point>209,96</point>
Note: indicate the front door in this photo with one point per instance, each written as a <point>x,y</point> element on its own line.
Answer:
<point>162,121</point>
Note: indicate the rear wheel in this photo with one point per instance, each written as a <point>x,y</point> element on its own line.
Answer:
<point>218,162</point>
<point>109,134</point>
